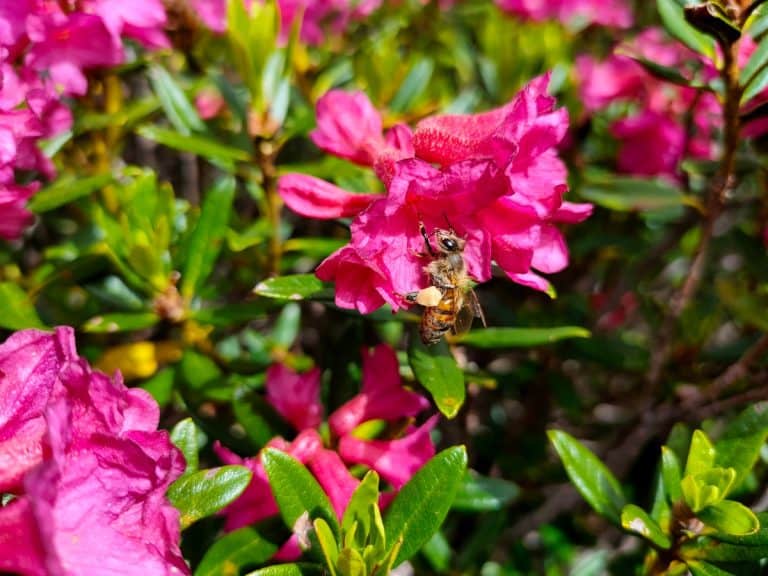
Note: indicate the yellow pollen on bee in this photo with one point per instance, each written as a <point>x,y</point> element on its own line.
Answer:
<point>429,296</point>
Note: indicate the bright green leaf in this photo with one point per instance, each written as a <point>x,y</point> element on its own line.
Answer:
<point>295,287</point>
<point>673,18</point>
<point>520,337</point>
<point>420,507</point>
<point>67,189</point>
<point>730,517</point>
<point>636,520</point>
<point>177,107</point>
<point>16,309</point>
<point>699,568</point>
<point>202,145</point>
<point>627,194</point>
<point>296,490</point>
<point>205,492</point>
<point>207,237</point>
<point>358,510</point>
<point>590,476</point>
<point>184,437</point>
<point>670,470</point>
<point>740,443</point>
<point>328,544</point>
<point>287,326</point>
<point>121,322</point>
<point>289,570</point>
<point>235,550</point>
<point>438,372</point>
<point>701,454</point>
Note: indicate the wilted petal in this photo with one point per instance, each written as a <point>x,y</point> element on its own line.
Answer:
<point>296,397</point>
<point>316,198</point>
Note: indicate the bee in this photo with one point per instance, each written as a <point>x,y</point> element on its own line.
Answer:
<point>449,302</point>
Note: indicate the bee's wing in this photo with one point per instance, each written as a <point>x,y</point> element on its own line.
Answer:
<point>468,309</point>
<point>474,304</point>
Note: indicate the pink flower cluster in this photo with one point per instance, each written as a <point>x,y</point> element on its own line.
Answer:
<point>612,13</point>
<point>316,17</point>
<point>296,397</point>
<point>654,138</point>
<point>45,49</point>
<point>86,465</point>
<point>495,178</point>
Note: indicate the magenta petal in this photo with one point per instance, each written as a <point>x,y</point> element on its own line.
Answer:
<point>532,280</point>
<point>382,396</point>
<point>358,286</point>
<point>334,478</point>
<point>551,255</point>
<point>296,397</point>
<point>395,460</point>
<point>15,216</point>
<point>348,126</point>
<point>316,198</point>
<point>21,550</point>
<point>572,213</point>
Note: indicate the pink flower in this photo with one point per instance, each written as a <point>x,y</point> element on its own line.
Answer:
<point>94,479</point>
<point>296,397</point>
<point>142,21</point>
<point>382,395</point>
<point>395,460</point>
<point>15,217</point>
<point>499,184</point>
<point>65,45</point>
<point>614,13</point>
<point>649,132</point>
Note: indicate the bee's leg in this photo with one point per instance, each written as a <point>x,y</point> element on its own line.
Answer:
<point>424,234</point>
<point>477,310</point>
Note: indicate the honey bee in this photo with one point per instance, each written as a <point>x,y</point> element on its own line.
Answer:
<point>449,302</point>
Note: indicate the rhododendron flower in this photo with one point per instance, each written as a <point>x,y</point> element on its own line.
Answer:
<point>613,13</point>
<point>89,466</point>
<point>382,397</point>
<point>499,184</point>
<point>15,217</point>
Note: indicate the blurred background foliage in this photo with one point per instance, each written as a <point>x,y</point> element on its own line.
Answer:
<point>160,224</point>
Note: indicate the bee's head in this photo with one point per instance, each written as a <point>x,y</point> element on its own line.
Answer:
<point>448,241</point>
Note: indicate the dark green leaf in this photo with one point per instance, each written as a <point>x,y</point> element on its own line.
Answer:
<point>420,507</point>
<point>438,372</point>
<point>207,237</point>
<point>413,86</point>
<point>178,109</point>
<point>66,189</point>
<point>121,322</point>
<point>205,492</point>
<point>296,287</point>
<point>161,386</point>
<point>287,325</point>
<point>636,520</point>
<point>627,194</point>
<point>754,76</point>
<point>730,517</point>
<point>16,309</point>
<point>202,145</point>
<point>184,436</point>
<point>483,494</point>
<point>520,337</point>
<point>711,19</point>
<point>743,438</point>
<point>673,18</point>
<point>590,476</point>
<point>296,490</point>
<point>710,549</point>
<point>233,551</point>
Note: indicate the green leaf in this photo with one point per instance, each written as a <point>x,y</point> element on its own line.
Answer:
<point>673,18</point>
<point>296,490</point>
<point>438,372</point>
<point>67,189</point>
<point>712,550</point>
<point>670,470</point>
<point>287,326</point>
<point>235,550</point>
<point>634,519</point>
<point>177,107</point>
<point>328,544</point>
<point>358,510</point>
<point>520,337</point>
<point>707,488</point>
<point>200,144</point>
<point>754,76</point>
<point>289,570</point>
<point>121,322</point>
<point>730,517</point>
<point>743,438</point>
<point>205,492</point>
<point>16,309</point>
<point>413,86</point>
<point>596,483</point>
<point>184,437</point>
<point>699,568</point>
<point>206,239</point>
<point>482,494</point>
<point>701,454</point>
<point>422,504</point>
<point>295,287</point>
<point>351,563</point>
<point>627,194</point>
